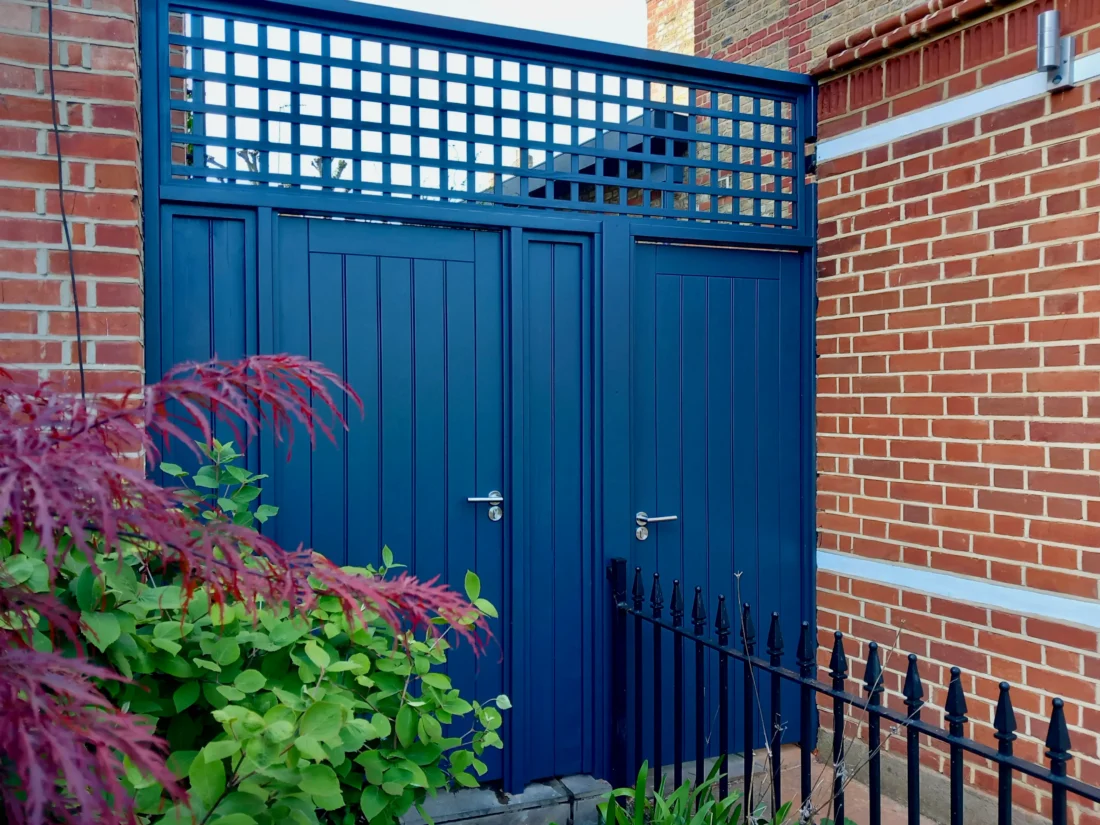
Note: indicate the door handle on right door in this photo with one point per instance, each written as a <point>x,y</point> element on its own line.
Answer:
<point>494,500</point>
<point>643,520</point>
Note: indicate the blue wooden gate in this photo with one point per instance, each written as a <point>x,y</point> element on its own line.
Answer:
<point>575,274</point>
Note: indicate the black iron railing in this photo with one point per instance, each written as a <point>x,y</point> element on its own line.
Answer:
<point>640,715</point>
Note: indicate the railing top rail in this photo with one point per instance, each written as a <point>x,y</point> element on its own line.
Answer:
<point>537,45</point>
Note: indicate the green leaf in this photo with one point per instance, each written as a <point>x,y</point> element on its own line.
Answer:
<point>322,720</point>
<point>381,725</point>
<point>249,681</point>
<point>461,760</point>
<point>225,651</point>
<point>473,586</point>
<point>206,663</point>
<point>429,729</point>
<point>503,702</point>
<point>319,780</point>
<point>437,680</point>
<point>465,780</point>
<point>373,766</point>
<point>233,819</point>
<point>227,504</point>
<point>486,607</point>
<point>372,802</point>
<point>490,718</point>
<point>279,731</point>
<point>246,494</point>
<point>177,815</point>
<point>86,590</point>
<point>185,696</point>
<point>266,511</point>
<point>172,648</point>
<point>207,478</point>
<point>231,693</point>
<point>18,569</point>
<point>174,470</point>
<point>406,725</point>
<point>221,749</point>
<point>207,779</point>
<point>317,655</point>
<point>286,633</point>
<point>179,762</point>
<point>103,629</point>
<point>310,748</point>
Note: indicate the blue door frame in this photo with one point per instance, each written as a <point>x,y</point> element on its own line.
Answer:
<point>656,171</point>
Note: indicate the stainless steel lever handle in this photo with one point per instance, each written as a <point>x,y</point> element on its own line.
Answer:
<point>644,520</point>
<point>494,500</point>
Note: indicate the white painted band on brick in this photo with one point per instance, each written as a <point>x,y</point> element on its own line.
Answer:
<point>1017,600</point>
<point>951,111</point>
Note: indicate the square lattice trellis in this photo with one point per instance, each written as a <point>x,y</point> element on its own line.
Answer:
<point>286,106</point>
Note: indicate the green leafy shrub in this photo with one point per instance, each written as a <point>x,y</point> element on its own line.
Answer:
<point>272,717</point>
<point>686,805</point>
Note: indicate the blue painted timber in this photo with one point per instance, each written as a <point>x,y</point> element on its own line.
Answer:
<point>716,381</point>
<point>489,234</point>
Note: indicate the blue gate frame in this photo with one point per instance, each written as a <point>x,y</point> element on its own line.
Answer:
<point>256,108</point>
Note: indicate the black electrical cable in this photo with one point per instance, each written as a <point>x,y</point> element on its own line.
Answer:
<point>61,201</point>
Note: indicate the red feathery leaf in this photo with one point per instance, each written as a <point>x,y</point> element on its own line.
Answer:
<point>64,739</point>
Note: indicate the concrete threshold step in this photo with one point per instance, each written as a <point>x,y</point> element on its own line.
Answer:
<point>571,800</point>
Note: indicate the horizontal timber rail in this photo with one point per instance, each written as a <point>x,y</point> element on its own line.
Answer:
<point>642,720</point>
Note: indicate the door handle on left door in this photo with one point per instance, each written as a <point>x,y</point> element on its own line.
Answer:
<point>494,500</point>
<point>643,520</point>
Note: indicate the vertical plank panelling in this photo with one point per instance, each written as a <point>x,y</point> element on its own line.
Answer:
<point>693,461</point>
<point>715,390</point>
<point>421,340</point>
<point>429,416</point>
<point>745,438</point>
<point>290,476</point>
<point>462,363</point>
<point>571,497</point>
<point>364,483</point>
<point>491,435</point>
<point>664,387</point>
<point>769,573</point>
<point>558,501</point>
<point>397,405</point>
<point>329,469</point>
<point>539,548</point>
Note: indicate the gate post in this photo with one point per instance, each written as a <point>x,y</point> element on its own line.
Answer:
<point>620,770</point>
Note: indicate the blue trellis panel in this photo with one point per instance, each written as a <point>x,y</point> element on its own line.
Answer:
<point>318,108</point>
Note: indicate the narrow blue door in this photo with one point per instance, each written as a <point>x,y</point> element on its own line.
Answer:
<point>553,490</point>
<point>716,443</point>
<point>413,319</point>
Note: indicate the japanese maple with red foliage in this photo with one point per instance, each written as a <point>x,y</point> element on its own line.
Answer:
<point>68,472</point>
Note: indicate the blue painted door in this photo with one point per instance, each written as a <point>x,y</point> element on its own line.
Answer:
<point>553,491</point>
<point>413,319</point>
<point>473,379</point>
<point>715,434</point>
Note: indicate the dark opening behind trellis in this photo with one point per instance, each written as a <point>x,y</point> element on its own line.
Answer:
<point>640,628</point>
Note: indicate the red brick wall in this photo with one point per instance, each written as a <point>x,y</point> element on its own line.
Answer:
<point>959,377</point>
<point>95,62</point>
